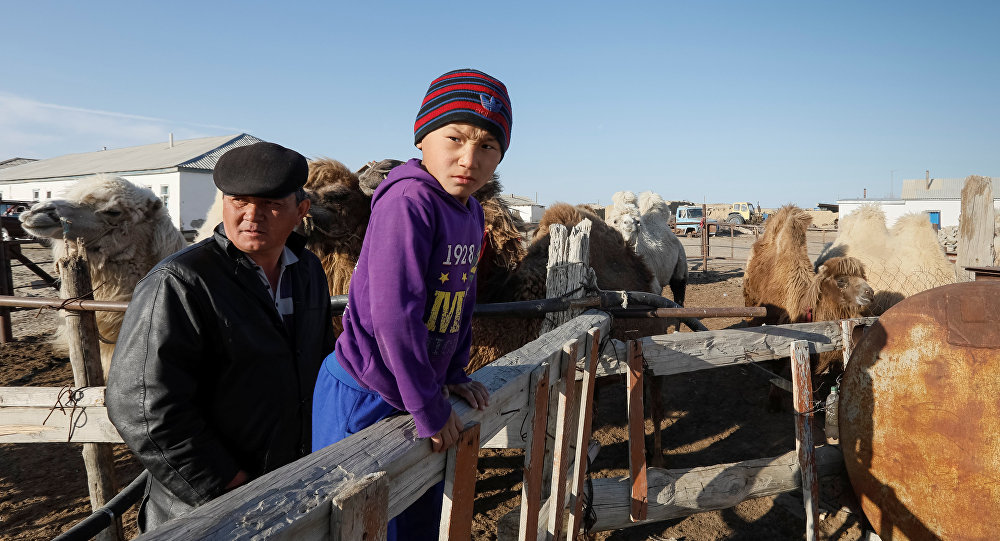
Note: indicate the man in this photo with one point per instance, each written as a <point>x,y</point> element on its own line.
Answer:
<point>212,377</point>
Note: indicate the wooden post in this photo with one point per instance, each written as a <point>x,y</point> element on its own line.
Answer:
<point>85,358</point>
<point>568,269</point>
<point>460,485</point>
<point>563,429</point>
<point>534,454</point>
<point>361,511</point>
<point>704,238</point>
<point>850,334</point>
<point>6,288</point>
<point>636,433</point>
<point>975,229</point>
<point>732,241</point>
<point>803,400</point>
<point>585,424</point>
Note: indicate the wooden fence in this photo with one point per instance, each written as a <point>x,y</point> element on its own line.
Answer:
<point>541,400</point>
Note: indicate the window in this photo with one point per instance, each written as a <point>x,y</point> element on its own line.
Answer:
<point>165,194</point>
<point>48,195</point>
<point>34,195</point>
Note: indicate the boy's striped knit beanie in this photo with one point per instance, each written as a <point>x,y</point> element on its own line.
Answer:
<point>466,95</point>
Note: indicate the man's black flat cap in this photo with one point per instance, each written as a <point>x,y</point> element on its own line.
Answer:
<point>261,170</point>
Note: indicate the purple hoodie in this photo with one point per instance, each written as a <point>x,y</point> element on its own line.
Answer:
<point>407,327</point>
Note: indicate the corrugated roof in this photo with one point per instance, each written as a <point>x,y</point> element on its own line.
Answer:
<point>517,200</point>
<point>200,153</point>
<point>15,161</point>
<point>939,188</point>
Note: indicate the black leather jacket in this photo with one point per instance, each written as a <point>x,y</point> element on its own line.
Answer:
<point>206,380</point>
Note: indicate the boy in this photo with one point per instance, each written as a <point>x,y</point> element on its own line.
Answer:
<point>407,328</point>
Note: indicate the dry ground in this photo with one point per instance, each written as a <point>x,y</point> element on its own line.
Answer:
<point>712,416</point>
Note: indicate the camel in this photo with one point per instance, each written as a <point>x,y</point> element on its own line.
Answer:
<point>899,262</point>
<point>645,226</point>
<point>780,276</point>
<point>126,230</point>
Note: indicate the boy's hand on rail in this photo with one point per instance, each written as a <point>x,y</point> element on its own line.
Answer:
<point>448,435</point>
<point>474,392</point>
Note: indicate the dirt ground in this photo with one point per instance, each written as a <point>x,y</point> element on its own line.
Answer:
<point>712,416</point>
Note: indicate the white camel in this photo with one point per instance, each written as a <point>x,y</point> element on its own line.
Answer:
<point>126,231</point>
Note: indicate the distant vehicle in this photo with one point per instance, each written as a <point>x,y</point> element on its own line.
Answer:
<point>10,222</point>
<point>689,220</point>
<point>744,212</point>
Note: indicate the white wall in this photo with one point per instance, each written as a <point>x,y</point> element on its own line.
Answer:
<point>197,194</point>
<point>189,193</point>
<point>158,182</point>
<point>529,213</point>
<point>896,208</point>
<point>23,191</point>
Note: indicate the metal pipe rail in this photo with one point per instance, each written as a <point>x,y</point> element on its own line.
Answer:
<point>101,518</point>
<point>605,300</point>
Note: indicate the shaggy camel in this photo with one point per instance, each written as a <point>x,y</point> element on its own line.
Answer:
<point>126,230</point>
<point>899,262</point>
<point>780,277</point>
<point>646,228</point>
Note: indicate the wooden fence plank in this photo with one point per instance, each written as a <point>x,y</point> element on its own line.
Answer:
<point>802,398</point>
<point>563,429</point>
<point>460,485</point>
<point>361,511</point>
<point>586,418</point>
<point>534,454</point>
<point>274,502</point>
<point>636,432</point>
<point>683,492</point>
<point>27,415</point>
<point>678,353</point>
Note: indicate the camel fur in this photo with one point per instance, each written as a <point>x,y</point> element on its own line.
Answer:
<point>616,266</point>
<point>780,277</point>
<point>899,262</point>
<point>644,223</point>
<point>126,231</point>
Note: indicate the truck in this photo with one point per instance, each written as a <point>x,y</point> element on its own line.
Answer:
<point>689,221</point>
<point>744,212</point>
<point>10,223</point>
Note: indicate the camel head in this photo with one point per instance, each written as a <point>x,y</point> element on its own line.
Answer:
<point>340,210</point>
<point>843,287</point>
<point>625,219</point>
<point>96,208</point>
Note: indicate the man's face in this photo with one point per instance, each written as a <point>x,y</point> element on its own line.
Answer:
<point>462,158</point>
<point>260,226</point>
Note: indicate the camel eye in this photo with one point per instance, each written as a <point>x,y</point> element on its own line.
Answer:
<point>842,283</point>
<point>111,213</point>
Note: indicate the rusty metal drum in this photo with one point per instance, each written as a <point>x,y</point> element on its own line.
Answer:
<point>920,416</point>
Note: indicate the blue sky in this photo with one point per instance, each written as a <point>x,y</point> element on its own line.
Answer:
<point>775,102</point>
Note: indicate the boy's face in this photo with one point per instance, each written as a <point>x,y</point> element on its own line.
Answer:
<point>461,157</point>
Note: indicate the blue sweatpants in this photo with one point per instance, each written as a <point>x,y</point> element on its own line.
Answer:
<point>341,407</point>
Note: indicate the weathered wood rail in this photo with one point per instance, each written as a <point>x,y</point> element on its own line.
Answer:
<point>301,499</point>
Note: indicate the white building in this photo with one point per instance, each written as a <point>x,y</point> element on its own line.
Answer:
<point>530,211</point>
<point>180,172</point>
<point>940,198</point>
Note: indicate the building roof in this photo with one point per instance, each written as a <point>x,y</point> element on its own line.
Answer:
<point>518,201</point>
<point>200,153</point>
<point>15,161</point>
<point>939,188</point>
